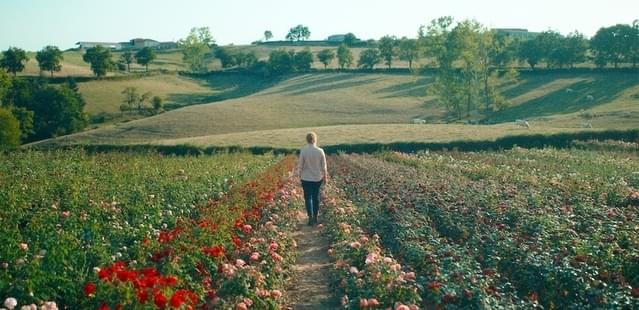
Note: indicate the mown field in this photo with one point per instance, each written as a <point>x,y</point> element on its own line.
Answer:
<point>141,230</point>
<point>273,112</point>
<point>515,229</point>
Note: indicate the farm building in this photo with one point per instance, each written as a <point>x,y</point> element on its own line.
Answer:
<point>517,33</point>
<point>336,38</point>
<point>133,44</point>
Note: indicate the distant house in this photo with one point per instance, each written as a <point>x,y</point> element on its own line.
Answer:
<point>336,38</point>
<point>517,33</point>
<point>85,45</point>
<point>133,44</point>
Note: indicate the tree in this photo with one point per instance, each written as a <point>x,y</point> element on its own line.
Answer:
<point>195,47</point>
<point>303,60</point>
<point>408,51</point>
<point>145,56</point>
<point>5,85</point>
<point>369,58</point>
<point>531,52</point>
<point>612,44</point>
<point>9,130</point>
<point>127,58</point>
<point>226,58</point>
<point>100,59</point>
<point>49,59</point>
<point>13,60</point>
<point>281,61</point>
<point>325,56</point>
<point>298,33</point>
<point>268,35</point>
<point>131,97</point>
<point>344,56</point>
<point>157,103</point>
<point>574,48</point>
<point>549,43</point>
<point>350,39</point>
<point>388,49</point>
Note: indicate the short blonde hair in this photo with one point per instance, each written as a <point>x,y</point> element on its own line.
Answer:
<point>311,137</point>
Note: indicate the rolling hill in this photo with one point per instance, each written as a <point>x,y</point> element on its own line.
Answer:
<point>277,112</point>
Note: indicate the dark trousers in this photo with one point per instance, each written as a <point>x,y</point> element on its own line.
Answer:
<point>311,197</point>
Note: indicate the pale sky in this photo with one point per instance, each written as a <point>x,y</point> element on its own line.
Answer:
<point>32,24</point>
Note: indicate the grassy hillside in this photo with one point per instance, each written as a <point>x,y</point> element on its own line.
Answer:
<point>278,112</point>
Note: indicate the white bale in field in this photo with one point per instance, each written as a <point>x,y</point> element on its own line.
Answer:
<point>522,123</point>
<point>570,90</point>
<point>418,121</point>
<point>586,125</point>
<point>590,98</point>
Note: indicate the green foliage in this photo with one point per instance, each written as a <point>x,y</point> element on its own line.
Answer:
<point>350,39</point>
<point>226,58</point>
<point>408,51</point>
<point>326,56</point>
<point>531,52</point>
<point>9,130</point>
<point>145,56</point>
<point>387,46</point>
<point>268,35</point>
<point>127,58</point>
<point>344,56</point>
<point>302,60</point>
<point>13,60</point>
<point>195,47</point>
<point>157,103</point>
<point>100,59</point>
<point>133,99</point>
<point>369,58</point>
<point>298,33</point>
<point>5,84</point>
<point>615,44</point>
<point>49,59</point>
<point>281,61</point>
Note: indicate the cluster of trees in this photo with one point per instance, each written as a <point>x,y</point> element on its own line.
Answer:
<point>101,59</point>
<point>134,101</point>
<point>31,109</point>
<point>468,58</point>
<point>49,58</point>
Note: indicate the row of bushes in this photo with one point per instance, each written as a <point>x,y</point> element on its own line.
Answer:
<point>561,140</point>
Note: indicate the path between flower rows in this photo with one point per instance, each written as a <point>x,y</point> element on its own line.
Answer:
<point>310,285</point>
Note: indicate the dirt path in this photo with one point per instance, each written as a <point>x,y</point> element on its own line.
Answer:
<point>310,288</point>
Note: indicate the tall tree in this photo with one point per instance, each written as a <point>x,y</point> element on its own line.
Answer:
<point>344,56</point>
<point>303,60</point>
<point>387,49</point>
<point>531,52</point>
<point>298,33</point>
<point>350,39</point>
<point>574,48</point>
<point>550,43</point>
<point>100,59</point>
<point>281,61</point>
<point>9,130</point>
<point>268,35</point>
<point>227,59</point>
<point>145,56</point>
<point>408,51</point>
<point>369,58</point>
<point>49,59</point>
<point>13,60</point>
<point>127,58</point>
<point>325,56</point>
<point>610,44</point>
<point>195,47</point>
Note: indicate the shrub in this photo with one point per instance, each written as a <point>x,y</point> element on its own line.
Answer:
<point>9,130</point>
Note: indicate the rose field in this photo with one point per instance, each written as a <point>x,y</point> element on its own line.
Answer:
<point>515,229</point>
<point>524,229</point>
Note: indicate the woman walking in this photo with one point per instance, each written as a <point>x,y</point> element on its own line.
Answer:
<point>313,172</point>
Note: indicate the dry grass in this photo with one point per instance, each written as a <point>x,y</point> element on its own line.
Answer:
<point>268,112</point>
<point>381,133</point>
<point>104,96</point>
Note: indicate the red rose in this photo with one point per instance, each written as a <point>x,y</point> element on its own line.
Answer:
<point>89,289</point>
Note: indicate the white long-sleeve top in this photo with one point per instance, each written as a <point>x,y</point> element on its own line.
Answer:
<point>312,163</point>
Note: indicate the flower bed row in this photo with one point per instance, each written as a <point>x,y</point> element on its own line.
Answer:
<point>513,229</point>
<point>235,254</point>
<point>368,276</point>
